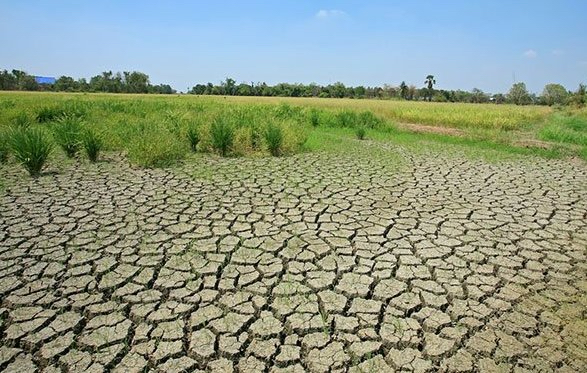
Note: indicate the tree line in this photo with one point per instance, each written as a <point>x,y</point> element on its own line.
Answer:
<point>125,82</point>
<point>553,94</point>
<point>138,82</point>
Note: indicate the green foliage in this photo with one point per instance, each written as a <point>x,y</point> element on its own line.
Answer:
<point>554,94</point>
<point>361,133</point>
<point>22,120</point>
<point>222,133</point>
<point>70,109</point>
<point>67,133</point>
<point>4,147</point>
<point>519,95</point>
<point>274,139</point>
<point>92,143</point>
<point>193,136</point>
<point>31,148</point>
<point>566,129</point>
<point>155,146</point>
<point>314,116</point>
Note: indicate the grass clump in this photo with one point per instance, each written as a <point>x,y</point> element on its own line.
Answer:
<point>22,120</point>
<point>274,139</point>
<point>92,143</point>
<point>360,132</point>
<point>314,117</point>
<point>4,148</point>
<point>193,136</point>
<point>31,148</point>
<point>222,135</point>
<point>67,133</point>
<point>155,147</point>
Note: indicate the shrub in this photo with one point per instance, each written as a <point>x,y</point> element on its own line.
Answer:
<point>222,135</point>
<point>274,139</point>
<point>360,132</point>
<point>92,143</point>
<point>193,136</point>
<point>67,132</point>
<point>31,148</point>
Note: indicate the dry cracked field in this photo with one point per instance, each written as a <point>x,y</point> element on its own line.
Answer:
<point>315,262</point>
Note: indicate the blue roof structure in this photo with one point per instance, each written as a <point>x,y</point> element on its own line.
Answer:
<point>44,80</point>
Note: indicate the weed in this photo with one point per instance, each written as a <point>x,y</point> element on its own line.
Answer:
<point>67,133</point>
<point>222,134</point>
<point>360,132</point>
<point>92,143</point>
<point>274,139</point>
<point>193,136</point>
<point>31,148</point>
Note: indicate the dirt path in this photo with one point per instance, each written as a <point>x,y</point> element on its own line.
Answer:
<point>308,263</point>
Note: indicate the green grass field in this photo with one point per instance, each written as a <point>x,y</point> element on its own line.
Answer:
<point>157,131</point>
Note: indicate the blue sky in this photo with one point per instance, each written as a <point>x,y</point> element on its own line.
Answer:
<point>465,44</point>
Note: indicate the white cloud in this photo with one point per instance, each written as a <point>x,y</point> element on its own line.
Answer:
<point>530,53</point>
<point>332,13</point>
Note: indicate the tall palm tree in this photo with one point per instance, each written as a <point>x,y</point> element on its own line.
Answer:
<point>430,81</point>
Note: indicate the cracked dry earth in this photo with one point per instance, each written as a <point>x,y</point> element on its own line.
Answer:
<point>316,262</point>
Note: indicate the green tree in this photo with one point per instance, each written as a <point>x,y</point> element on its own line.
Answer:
<point>580,96</point>
<point>403,90</point>
<point>519,95</point>
<point>554,94</point>
<point>430,81</point>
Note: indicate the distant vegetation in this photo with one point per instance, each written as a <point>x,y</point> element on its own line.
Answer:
<point>137,82</point>
<point>125,82</point>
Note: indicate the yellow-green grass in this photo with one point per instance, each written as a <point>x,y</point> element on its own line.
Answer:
<point>152,129</point>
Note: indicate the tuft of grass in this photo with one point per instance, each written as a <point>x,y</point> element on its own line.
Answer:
<point>360,132</point>
<point>274,139</point>
<point>92,143</point>
<point>4,147</point>
<point>67,133</point>
<point>22,120</point>
<point>155,147</point>
<point>31,148</point>
<point>222,134</point>
<point>193,136</point>
<point>314,116</point>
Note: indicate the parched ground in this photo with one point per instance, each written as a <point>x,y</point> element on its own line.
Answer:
<point>315,262</point>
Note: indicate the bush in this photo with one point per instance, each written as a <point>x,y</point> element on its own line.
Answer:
<point>274,139</point>
<point>31,148</point>
<point>67,132</point>
<point>360,132</point>
<point>92,143</point>
<point>222,135</point>
<point>193,136</point>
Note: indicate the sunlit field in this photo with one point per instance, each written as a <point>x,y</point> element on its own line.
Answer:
<point>156,131</point>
